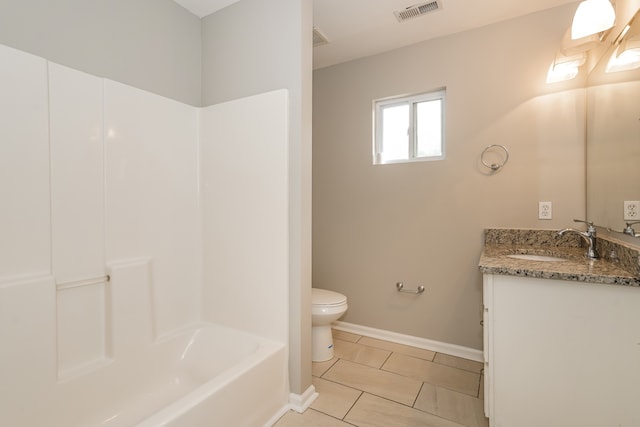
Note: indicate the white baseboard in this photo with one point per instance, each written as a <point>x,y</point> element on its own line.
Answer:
<point>297,402</point>
<point>300,402</point>
<point>427,344</point>
<point>277,416</point>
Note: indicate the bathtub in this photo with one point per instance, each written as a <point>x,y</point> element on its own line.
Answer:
<point>204,376</point>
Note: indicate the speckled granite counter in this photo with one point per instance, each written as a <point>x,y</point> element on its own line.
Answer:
<point>619,265</point>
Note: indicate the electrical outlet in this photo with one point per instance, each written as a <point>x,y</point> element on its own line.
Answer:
<point>544,210</point>
<point>631,210</point>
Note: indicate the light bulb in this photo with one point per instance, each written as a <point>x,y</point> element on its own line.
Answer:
<point>592,16</point>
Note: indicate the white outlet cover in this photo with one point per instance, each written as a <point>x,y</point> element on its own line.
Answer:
<point>545,210</point>
<point>631,210</point>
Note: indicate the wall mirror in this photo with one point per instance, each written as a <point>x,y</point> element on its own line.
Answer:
<point>613,140</point>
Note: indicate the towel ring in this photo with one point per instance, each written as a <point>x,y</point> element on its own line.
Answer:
<point>495,166</point>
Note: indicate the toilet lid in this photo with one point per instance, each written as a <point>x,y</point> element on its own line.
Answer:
<point>325,297</point>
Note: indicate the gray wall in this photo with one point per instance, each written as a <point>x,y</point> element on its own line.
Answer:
<point>255,46</point>
<point>150,44</point>
<point>422,223</point>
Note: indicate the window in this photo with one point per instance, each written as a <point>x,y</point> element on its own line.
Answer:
<point>410,128</point>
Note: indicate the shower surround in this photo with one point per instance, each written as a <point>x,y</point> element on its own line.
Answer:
<point>130,222</point>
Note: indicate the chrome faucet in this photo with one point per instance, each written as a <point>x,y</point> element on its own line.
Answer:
<point>629,229</point>
<point>589,236</point>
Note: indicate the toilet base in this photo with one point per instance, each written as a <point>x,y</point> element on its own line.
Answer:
<point>322,343</point>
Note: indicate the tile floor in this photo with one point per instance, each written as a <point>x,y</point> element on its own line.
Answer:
<point>371,382</point>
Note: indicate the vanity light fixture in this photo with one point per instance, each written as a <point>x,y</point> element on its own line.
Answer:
<point>565,67</point>
<point>591,17</point>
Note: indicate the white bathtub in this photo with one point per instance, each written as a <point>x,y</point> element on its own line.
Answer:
<point>205,376</point>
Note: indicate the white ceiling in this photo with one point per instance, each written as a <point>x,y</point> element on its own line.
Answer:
<point>359,28</point>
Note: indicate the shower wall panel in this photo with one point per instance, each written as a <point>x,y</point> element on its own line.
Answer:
<point>152,196</point>
<point>77,188</point>
<point>244,164</point>
<point>24,166</point>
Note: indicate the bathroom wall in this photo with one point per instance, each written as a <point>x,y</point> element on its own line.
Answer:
<point>151,44</point>
<point>421,223</point>
<point>254,46</point>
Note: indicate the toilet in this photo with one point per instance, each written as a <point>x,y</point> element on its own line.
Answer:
<point>326,307</point>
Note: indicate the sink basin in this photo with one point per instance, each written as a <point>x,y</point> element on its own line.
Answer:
<point>531,257</point>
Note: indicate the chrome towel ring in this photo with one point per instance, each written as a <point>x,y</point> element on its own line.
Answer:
<point>495,166</point>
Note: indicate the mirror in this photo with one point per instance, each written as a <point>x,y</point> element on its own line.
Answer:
<point>613,141</point>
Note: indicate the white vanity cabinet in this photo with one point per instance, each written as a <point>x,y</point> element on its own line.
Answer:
<point>561,353</point>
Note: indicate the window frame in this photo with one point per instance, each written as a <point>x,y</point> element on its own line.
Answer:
<point>411,100</point>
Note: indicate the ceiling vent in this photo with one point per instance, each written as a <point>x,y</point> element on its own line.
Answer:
<point>417,10</point>
<point>318,38</point>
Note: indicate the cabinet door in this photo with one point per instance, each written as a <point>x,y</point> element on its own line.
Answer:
<point>564,353</point>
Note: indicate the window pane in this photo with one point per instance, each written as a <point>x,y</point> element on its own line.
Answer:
<point>429,128</point>
<point>395,133</point>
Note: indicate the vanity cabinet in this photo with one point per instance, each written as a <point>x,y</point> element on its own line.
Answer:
<point>561,353</point>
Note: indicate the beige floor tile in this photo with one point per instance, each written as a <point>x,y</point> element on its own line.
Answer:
<point>458,362</point>
<point>310,418</point>
<point>359,353</point>
<point>345,336</point>
<point>319,368</point>
<point>334,399</point>
<point>386,384</point>
<point>398,348</point>
<point>452,378</point>
<point>454,406</point>
<point>373,411</point>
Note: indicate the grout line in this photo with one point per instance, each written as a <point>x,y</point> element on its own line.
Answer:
<point>329,368</point>
<point>341,384</point>
<point>329,415</point>
<point>385,361</point>
<point>352,405</point>
<point>413,405</point>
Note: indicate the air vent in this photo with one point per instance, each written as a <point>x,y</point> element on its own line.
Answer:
<point>318,38</point>
<point>417,10</point>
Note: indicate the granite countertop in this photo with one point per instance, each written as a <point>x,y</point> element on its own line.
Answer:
<point>575,266</point>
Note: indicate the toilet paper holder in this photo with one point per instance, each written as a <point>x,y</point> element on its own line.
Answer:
<point>400,288</point>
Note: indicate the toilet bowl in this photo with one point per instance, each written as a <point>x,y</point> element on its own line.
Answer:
<point>326,307</point>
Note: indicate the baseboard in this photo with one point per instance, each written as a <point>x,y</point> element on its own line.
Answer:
<point>300,402</point>
<point>273,420</point>
<point>427,344</point>
<point>297,402</point>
